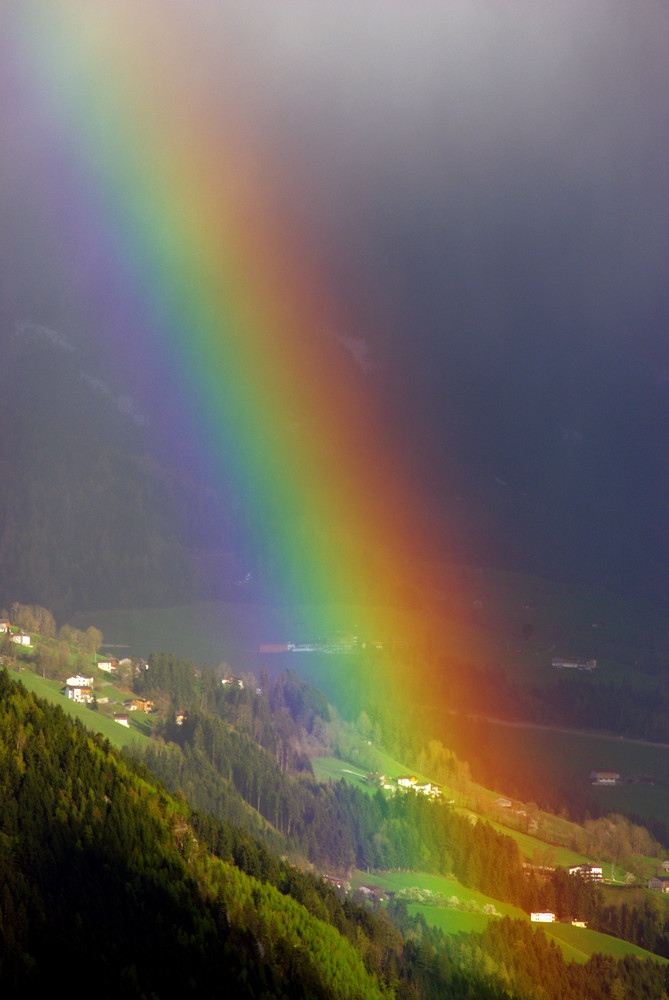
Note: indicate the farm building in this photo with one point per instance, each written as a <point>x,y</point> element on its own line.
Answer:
<point>592,872</point>
<point>138,705</point>
<point>604,777</point>
<point>562,664</point>
<point>659,883</point>
<point>109,666</point>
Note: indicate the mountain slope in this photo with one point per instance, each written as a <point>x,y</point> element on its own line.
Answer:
<point>86,514</point>
<point>101,871</point>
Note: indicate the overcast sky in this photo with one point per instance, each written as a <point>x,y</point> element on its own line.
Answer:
<point>486,186</point>
<point>490,182</point>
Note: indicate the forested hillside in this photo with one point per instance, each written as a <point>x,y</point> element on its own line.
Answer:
<point>91,515</point>
<point>106,878</point>
<point>246,745</point>
<point>103,876</point>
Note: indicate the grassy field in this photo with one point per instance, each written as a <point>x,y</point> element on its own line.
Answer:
<point>532,848</point>
<point>333,769</point>
<point>375,760</point>
<point>98,722</point>
<point>576,943</point>
<point>579,943</point>
<point>449,887</point>
<point>451,921</point>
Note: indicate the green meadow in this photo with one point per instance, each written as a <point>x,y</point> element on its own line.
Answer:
<point>576,943</point>
<point>98,721</point>
<point>333,769</point>
<point>375,760</point>
<point>532,847</point>
<point>451,921</point>
<point>579,943</point>
<point>395,881</point>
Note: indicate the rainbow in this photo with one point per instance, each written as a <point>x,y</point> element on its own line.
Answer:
<point>166,189</point>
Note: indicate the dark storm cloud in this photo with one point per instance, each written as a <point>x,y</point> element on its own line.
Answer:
<point>491,137</point>
<point>490,184</point>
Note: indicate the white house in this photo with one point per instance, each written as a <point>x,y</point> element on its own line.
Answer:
<point>109,666</point>
<point>21,638</point>
<point>122,719</point>
<point>80,681</point>
<point>434,791</point>
<point>593,872</point>
<point>543,917</point>
<point>79,693</point>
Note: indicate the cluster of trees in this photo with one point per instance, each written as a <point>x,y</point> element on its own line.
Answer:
<point>31,618</point>
<point>280,717</point>
<point>645,924</point>
<point>169,675</point>
<point>88,850</point>
<point>86,515</point>
<point>54,654</point>
<point>531,965</point>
